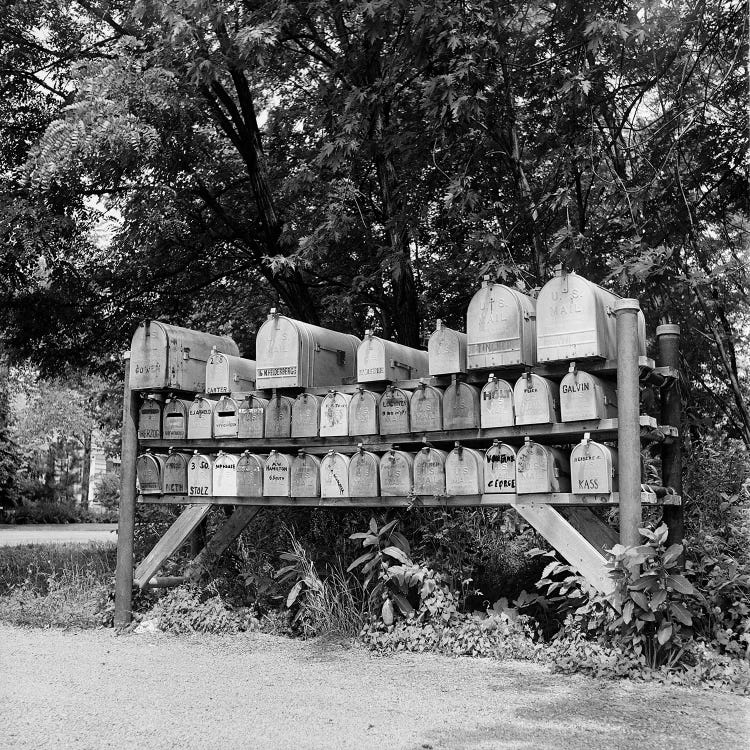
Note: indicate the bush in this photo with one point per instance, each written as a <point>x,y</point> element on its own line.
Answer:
<point>107,490</point>
<point>47,513</point>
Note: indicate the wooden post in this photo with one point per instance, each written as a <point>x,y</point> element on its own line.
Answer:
<point>628,413</point>
<point>668,342</point>
<point>126,520</point>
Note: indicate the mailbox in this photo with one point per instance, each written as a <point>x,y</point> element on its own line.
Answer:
<point>149,419</point>
<point>175,473</point>
<point>292,354</point>
<point>149,468</point>
<point>496,403</point>
<point>540,468</point>
<point>200,475</point>
<point>251,420</point>
<point>393,411</point>
<point>446,350</point>
<point>576,320</point>
<point>334,414</point>
<point>460,406</point>
<point>165,356</point>
<point>279,417</point>
<point>306,415</point>
<point>277,475</point>
<point>585,396</point>
<point>396,473</point>
<point>226,418</point>
<point>305,475</point>
<point>200,418</point>
<point>593,468</point>
<point>464,473</point>
<point>250,469</point>
<point>501,328</point>
<point>364,471</point>
<point>429,472</point>
<point>174,421</point>
<point>500,469</point>
<point>426,409</point>
<point>225,475</point>
<point>536,400</point>
<point>334,475</point>
<point>226,373</point>
<point>379,359</point>
<point>363,413</point>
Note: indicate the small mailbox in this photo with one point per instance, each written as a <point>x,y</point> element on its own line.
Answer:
<point>540,468</point>
<point>225,475</point>
<point>460,406</point>
<point>334,475</point>
<point>585,396</point>
<point>334,414</point>
<point>277,475</point>
<point>149,419</point>
<point>165,356</point>
<point>576,320</point>
<point>226,418</point>
<point>501,328</point>
<point>500,469</point>
<point>250,469</point>
<point>496,407</point>
<point>364,474</point>
<point>393,411</point>
<point>426,409</point>
<point>396,473</point>
<point>149,468</point>
<point>200,475</point>
<point>174,421</point>
<point>363,413</point>
<point>464,473</point>
<point>251,420</point>
<point>226,373</point>
<point>429,472</point>
<point>293,354</point>
<point>200,418</point>
<point>175,473</point>
<point>447,351</point>
<point>305,475</point>
<point>306,415</point>
<point>379,359</point>
<point>536,400</point>
<point>279,417</point>
<point>593,468</point>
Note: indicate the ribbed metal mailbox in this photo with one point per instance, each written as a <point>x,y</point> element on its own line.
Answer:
<point>166,356</point>
<point>536,400</point>
<point>500,469</point>
<point>305,475</point>
<point>393,411</point>
<point>593,468</point>
<point>293,354</point>
<point>363,413</point>
<point>396,473</point>
<point>149,419</point>
<point>460,406</point>
<point>224,475</point>
<point>226,373</point>
<point>200,475</point>
<point>364,474</point>
<point>174,421</point>
<point>446,350</point>
<point>426,409</point>
<point>277,475</point>
<point>201,418</point>
<point>429,472</point>
<point>149,468</point>
<point>176,473</point>
<point>585,396</point>
<point>334,414</point>
<point>576,320</point>
<point>464,471</point>
<point>540,468</point>
<point>279,417</point>
<point>496,407</point>
<point>501,328</point>
<point>226,418</point>
<point>251,420</point>
<point>334,475</point>
<point>306,415</point>
<point>250,469</point>
<point>379,359</point>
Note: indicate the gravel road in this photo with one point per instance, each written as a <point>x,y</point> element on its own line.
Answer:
<point>92,689</point>
<point>43,533</point>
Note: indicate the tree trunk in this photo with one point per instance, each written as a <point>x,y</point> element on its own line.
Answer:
<point>50,472</point>
<point>86,470</point>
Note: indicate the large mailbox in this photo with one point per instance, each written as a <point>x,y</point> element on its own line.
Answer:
<point>429,472</point>
<point>166,356</point>
<point>334,414</point>
<point>226,418</point>
<point>279,417</point>
<point>305,475</point>
<point>464,471</point>
<point>224,475</point>
<point>149,468</point>
<point>585,396</point>
<point>576,320</point>
<point>393,411</point>
<point>363,413</point>
<point>251,420</point>
<point>461,406</point>
<point>201,418</point>
<point>250,469</point>
<point>496,407</point>
<point>446,349</point>
<point>277,475</point>
<point>149,419</point>
<point>536,400</point>
<point>501,328</point>
<point>293,354</point>
<point>226,373</point>
<point>593,468</point>
<point>200,475</point>
<point>540,468</point>
<point>176,473</point>
<point>334,475</point>
<point>380,359</point>
<point>306,415</point>
<point>174,421</point>
<point>396,473</point>
<point>426,409</point>
<point>500,469</point>
<point>364,474</point>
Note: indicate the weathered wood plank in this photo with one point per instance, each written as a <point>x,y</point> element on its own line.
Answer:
<point>598,533</point>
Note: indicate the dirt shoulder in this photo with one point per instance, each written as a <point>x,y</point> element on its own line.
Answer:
<point>92,689</point>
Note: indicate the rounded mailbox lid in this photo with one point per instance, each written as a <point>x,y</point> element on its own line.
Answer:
<point>496,407</point>
<point>426,409</point>
<point>396,472</point>
<point>226,417</point>
<point>393,411</point>
<point>200,475</point>
<point>175,473</point>
<point>334,414</point>
<point>446,350</point>
<point>305,475</point>
<point>334,475</point>
<point>363,413</point>
<point>460,406</point>
<point>305,415</point>
<point>429,472</point>
<point>536,400</point>
<point>149,419</point>
<point>174,421</point>
<point>500,469</point>
<point>463,471</point>
<point>364,474</point>
<point>593,468</point>
<point>200,419</point>
<point>277,475</point>
<point>279,417</point>
<point>225,373</point>
<point>251,422</point>
<point>585,396</point>
<point>225,475</point>
<point>250,468</point>
<point>150,473</point>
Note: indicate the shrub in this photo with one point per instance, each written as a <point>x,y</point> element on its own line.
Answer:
<point>107,490</point>
<point>187,610</point>
<point>47,512</point>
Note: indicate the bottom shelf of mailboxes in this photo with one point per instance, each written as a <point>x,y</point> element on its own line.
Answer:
<point>555,498</point>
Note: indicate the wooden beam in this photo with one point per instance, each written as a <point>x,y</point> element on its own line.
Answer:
<point>600,534</point>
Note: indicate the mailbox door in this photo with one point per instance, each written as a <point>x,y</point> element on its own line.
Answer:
<point>536,400</point>
<point>393,412</point>
<point>396,473</point>
<point>278,354</point>
<point>371,364</point>
<point>175,474</point>
<point>149,420</point>
<point>363,413</point>
<point>175,419</point>
<point>305,476</point>
<point>149,468</point>
<point>277,475</point>
<point>225,374</point>
<point>226,418</point>
<point>334,415</point>
<point>334,475</point>
<point>200,476</point>
<point>200,419</point>
<point>429,472</point>
<point>305,415</point>
<point>251,421</point>
<point>250,468</point>
<point>446,351</point>
<point>461,407</point>
<point>496,404</point>
<point>364,475</point>
<point>463,472</point>
<point>279,417</point>
<point>500,470</point>
<point>585,396</point>
<point>426,409</point>
<point>534,469</point>
<point>225,475</point>
<point>591,469</point>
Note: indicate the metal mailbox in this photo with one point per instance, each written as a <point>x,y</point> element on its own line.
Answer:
<point>200,418</point>
<point>226,373</point>
<point>500,469</point>
<point>363,413</point>
<point>393,411</point>
<point>464,471</point>
<point>396,473</point>
<point>576,320</point>
<point>540,468</point>
<point>536,400</point>
<point>166,356</point>
<point>250,469</point>
<point>225,475</point>
<point>334,414</point>
<point>585,396</point>
<point>306,415</point>
<point>149,468</point>
<point>496,408</point>
<point>226,418</point>
<point>279,417</point>
<point>364,474</point>
<point>251,419</point>
<point>446,350</point>
<point>305,475</point>
<point>379,359</point>
<point>174,421</point>
<point>426,409</point>
<point>461,406</point>
<point>293,354</point>
<point>277,475</point>
<point>593,468</point>
<point>501,328</point>
<point>334,475</point>
<point>175,473</point>
<point>149,419</point>
<point>429,472</point>
<point>200,475</point>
